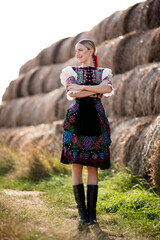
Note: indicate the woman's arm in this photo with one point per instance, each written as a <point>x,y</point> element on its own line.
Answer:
<point>103,87</point>
<point>81,94</point>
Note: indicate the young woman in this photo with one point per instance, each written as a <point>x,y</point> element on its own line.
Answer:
<point>86,133</point>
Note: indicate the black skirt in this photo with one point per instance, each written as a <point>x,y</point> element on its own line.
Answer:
<point>86,134</point>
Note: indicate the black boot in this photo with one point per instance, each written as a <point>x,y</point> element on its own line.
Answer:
<point>92,192</point>
<point>80,200</point>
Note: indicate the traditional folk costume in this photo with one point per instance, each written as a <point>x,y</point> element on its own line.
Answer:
<point>86,130</point>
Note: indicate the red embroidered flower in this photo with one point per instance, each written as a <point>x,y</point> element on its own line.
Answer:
<point>96,146</point>
<point>101,140</point>
<point>67,125</point>
<point>104,127</point>
<point>101,120</point>
<point>71,118</point>
<point>75,140</point>
<point>69,153</point>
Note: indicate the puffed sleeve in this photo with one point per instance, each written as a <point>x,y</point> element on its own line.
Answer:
<point>107,76</point>
<point>67,76</point>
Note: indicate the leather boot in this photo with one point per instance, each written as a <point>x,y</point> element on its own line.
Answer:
<point>92,192</point>
<point>80,200</point>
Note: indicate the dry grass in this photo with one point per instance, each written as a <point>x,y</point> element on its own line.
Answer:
<point>155,165</point>
<point>34,164</point>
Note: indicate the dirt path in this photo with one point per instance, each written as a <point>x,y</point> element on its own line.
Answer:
<point>26,216</point>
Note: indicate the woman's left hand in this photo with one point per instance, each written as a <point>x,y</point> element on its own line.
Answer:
<point>74,86</point>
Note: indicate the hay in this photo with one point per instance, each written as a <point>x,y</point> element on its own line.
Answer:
<point>48,55</point>
<point>41,136</point>
<point>38,80</point>
<point>58,52</point>
<point>132,142</point>
<point>137,92</point>
<point>136,49</point>
<point>153,17</point>
<point>139,17</point>
<point>155,165</point>
<point>42,108</point>
<point>114,25</point>
<point>136,18</point>
<point>45,57</point>
<point>126,52</point>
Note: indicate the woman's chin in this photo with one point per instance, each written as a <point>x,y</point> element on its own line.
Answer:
<point>80,61</point>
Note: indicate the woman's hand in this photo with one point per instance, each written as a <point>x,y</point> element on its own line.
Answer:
<point>74,86</point>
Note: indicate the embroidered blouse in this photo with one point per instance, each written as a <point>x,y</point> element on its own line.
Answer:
<point>85,76</point>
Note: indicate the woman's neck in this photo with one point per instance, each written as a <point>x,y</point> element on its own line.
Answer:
<point>88,64</point>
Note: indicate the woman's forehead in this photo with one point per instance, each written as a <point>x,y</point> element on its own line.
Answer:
<point>79,45</point>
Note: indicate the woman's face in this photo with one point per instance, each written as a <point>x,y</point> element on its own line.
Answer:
<point>82,53</point>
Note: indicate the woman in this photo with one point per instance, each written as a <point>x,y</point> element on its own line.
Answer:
<point>86,134</point>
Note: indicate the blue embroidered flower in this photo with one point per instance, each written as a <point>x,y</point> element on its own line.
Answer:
<point>101,155</point>
<point>67,136</point>
<point>74,154</point>
<point>106,139</point>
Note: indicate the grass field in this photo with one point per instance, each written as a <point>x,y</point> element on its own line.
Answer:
<point>37,202</point>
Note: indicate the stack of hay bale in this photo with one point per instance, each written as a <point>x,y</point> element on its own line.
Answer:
<point>128,42</point>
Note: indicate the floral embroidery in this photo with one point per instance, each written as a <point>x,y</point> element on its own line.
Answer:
<point>67,125</point>
<point>67,136</point>
<point>99,107</point>
<point>87,142</point>
<point>86,155</point>
<point>74,107</point>
<point>71,118</point>
<point>86,149</point>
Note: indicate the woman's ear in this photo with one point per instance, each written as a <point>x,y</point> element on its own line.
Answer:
<point>91,51</point>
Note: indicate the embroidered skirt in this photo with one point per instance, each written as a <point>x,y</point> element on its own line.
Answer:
<point>86,134</point>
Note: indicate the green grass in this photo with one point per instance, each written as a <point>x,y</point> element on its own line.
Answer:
<point>125,195</point>
<point>127,205</point>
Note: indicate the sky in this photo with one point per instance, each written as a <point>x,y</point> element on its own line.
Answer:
<point>29,26</point>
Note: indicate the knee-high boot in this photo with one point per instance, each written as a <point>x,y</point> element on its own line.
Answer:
<point>80,200</point>
<point>92,192</point>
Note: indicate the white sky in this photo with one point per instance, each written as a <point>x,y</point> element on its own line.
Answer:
<point>28,26</point>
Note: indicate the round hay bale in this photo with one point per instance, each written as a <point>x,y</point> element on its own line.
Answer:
<point>153,16</point>
<point>37,80</point>
<point>32,63</point>
<point>52,81</point>
<point>139,17</point>
<point>11,90</point>
<point>67,49</point>
<point>47,136</point>
<point>24,88</point>
<point>132,142</point>
<point>137,92</point>
<point>114,25</point>
<point>106,52</point>
<point>42,108</point>
<point>97,33</point>
<point>48,55</point>
<point>136,18</point>
<point>136,49</point>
